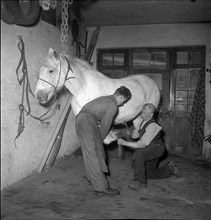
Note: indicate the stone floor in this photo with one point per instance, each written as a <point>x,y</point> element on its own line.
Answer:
<point>63,193</point>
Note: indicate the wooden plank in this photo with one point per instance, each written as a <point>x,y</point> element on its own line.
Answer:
<point>92,44</point>
<point>57,144</point>
<point>54,136</point>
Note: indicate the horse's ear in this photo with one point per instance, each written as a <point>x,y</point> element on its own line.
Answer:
<point>55,54</point>
<point>50,51</point>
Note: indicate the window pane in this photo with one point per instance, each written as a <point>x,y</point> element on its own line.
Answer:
<point>158,79</point>
<point>114,74</point>
<point>182,57</point>
<point>190,101</point>
<point>181,97</point>
<point>190,108</point>
<point>118,59</point>
<point>182,79</point>
<point>159,59</point>
<point>193,78</point>
<point>195,57</point>
<point>108,73</point>
<point>107,59</point>
<point>182,108</point>
<point>191,97</point>
<point>141,59</point>
<point>118,74</point>
<point>191,94</point>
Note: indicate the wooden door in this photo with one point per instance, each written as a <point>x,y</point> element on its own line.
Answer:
<point>185,70</point>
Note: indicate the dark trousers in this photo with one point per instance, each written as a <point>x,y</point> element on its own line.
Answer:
<point>145,163</point>
<point>92,149</point>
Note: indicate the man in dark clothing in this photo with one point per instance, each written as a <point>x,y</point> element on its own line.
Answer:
<point>92,125</point>
<point>148,150</point>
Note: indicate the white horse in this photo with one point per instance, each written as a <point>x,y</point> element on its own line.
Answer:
<point>85,83</point>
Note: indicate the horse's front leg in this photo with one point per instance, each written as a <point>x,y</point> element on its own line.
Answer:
<point>111,137</point>
<point>136,123</point>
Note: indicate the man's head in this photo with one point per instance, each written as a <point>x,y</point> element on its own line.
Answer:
<point>148,111</point>
<point>122,95</point>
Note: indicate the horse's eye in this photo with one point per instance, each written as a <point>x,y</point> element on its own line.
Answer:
<point>50,71</point>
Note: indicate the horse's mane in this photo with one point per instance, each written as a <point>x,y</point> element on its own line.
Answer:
<point>82,63</point>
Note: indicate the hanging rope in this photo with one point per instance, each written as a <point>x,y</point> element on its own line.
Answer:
<point>24,81</point>
<point>26,89</point>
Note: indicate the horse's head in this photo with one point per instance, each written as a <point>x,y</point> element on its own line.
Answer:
<point>52,77</point>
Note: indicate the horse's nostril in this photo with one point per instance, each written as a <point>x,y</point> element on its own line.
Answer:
<point>42,96</point>
<point>39,98</point>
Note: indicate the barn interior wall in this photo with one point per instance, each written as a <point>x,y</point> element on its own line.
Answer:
<point>23,160</point>
<point>165,35</point>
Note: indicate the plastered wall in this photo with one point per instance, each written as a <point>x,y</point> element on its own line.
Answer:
<point>169,35</point>
<point>23,160</point>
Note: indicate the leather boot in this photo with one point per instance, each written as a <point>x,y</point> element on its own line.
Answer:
<point>174,170</point>
<point>138,185</point>
<point>108,192</point>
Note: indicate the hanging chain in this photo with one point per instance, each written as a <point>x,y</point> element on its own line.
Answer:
<point>64,27</point>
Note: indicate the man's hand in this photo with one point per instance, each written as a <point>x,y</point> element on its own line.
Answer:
<point>134,134</point>
<point>120,141</point>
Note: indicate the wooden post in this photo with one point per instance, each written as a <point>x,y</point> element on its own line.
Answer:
<point>57,144</point>
<point>92,44</point>
<point>54,136</point>
<point>119,150</point>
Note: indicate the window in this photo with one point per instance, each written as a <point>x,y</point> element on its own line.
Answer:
<point>150,60</point>
<point>112,62</point>
<point>113,59</point>
<point>118,63</point>
<point>186,81</point>
<point>188,64</point>
<point>175,71</point>
<point>152,63</point>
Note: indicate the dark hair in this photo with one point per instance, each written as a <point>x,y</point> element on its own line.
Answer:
<point>123,91</point>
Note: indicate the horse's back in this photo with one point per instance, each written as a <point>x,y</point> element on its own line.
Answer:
<point>143,89</point>
<point>142,85</point>
<point>96,84</point>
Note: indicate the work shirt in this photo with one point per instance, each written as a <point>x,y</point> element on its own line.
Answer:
<point>104,109</point>
<point>151,131</point>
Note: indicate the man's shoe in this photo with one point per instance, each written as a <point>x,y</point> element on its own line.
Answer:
<point>137,185</point>
<point>87,179</point>
<point>174,170</point>
<point>108,192</point>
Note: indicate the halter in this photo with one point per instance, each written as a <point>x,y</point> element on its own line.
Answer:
<point>66,78</point>
<point>55,87</point>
